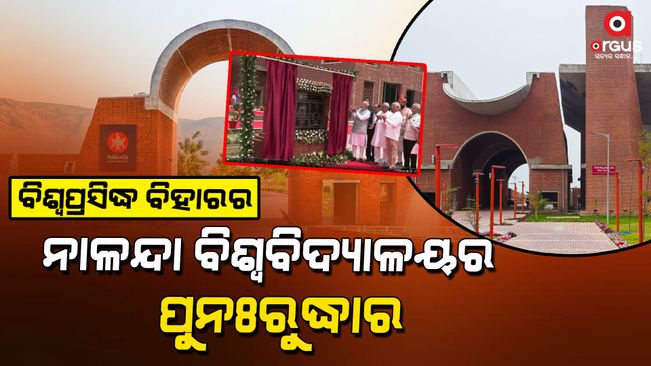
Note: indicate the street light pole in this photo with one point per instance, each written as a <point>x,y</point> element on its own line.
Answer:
<point>607,136</point>
<point>640,213</point>
<point>640,208</point>
<point>523,197</point>
<point>477,175</point>
<point>492,200</point>
<point>515,200</point>
<point>617,201</point>
<point>501,199</point>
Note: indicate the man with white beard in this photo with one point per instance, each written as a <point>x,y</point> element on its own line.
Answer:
<point>411,138</point>
<point>359,132</point>
<point>394,122</point>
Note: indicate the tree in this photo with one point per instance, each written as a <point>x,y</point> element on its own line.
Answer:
<point>450,200</point>
<point>221,169</point>
<point>191,152</point>
<point>470,218</point>
<point>247,94</point>
<point>537,202</point>
<point>645,147</point>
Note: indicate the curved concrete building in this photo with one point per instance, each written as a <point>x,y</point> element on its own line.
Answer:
<point>521,127</point>
<point>457,91</point>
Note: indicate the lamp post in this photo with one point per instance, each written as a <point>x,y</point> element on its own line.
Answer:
<point>523,197</point>
<point>640,209</point>
<point>437,172</point>
<point>515,200</point>
<point>477,175</point>
<point>617,201</point>
<point>501,199</point>
<point>607,136</point>
<point>492,200</point>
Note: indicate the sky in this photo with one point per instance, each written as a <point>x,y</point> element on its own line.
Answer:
<point>491,44</point>
<point>74,51</point>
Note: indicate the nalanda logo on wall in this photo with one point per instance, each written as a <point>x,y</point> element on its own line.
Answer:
<point>617,24</point>
<point>117,147</point>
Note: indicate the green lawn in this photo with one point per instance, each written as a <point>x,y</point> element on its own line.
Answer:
<point>563,217</point>
<point>628,232</point>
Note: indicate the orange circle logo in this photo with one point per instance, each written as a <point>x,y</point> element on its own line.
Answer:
<point>117,142</point>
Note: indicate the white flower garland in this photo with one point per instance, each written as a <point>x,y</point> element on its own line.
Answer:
<point>310,136</point>
<point>312,86</point>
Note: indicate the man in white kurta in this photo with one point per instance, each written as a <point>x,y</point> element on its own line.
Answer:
<point>359,131</point>
<point>406,114</point>
<point>394,122</point>
<point>410,139</point>
<point>379,140</point>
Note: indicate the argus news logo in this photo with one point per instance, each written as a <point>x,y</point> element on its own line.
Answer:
<point>618,24</point>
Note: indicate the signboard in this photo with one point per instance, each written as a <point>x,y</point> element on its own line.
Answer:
<point>603,170</point>
<point>117,150</point>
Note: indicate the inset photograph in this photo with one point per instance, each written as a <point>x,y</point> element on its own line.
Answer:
<point>317,112</point>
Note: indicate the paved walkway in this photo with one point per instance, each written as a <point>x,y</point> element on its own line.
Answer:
<point>548,237</point>
<point>561,237</point>
<point>463,217</point>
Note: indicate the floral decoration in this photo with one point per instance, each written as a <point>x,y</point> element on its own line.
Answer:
<point>310,136</point>
<point>311,86</point>
<point>615,237</point>
<point>319,159</point>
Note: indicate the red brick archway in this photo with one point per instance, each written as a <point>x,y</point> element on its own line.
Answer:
<point>522,127</point>
<point>479,153</point>
<point>154,115</point>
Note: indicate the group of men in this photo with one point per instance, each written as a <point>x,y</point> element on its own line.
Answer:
<point>387,134</point>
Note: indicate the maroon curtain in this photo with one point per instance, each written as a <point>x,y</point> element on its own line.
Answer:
<point>339,107</point>
<point>279,111</point>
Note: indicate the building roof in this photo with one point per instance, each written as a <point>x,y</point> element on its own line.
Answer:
<point>573,89</point>
<point>457,91</point>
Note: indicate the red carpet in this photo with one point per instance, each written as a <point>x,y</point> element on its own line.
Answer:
<point>361,165</point>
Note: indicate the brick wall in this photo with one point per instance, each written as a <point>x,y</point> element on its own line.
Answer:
<point>204,49</point>
<point>612,107</point>
<point>310,184</point>
<point>155,133</point>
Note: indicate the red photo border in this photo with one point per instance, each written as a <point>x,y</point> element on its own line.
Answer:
<point>324,58</point>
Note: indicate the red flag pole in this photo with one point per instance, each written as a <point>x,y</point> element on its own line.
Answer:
<point>617,201</point>
<point>640,210</point>
<point>438,176</point>
<point>523,197</point>
<point>477,175</point>
<point>492,199</point>
<point>515,200</point>
<point>501,198</point>
<point>640,207</point>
